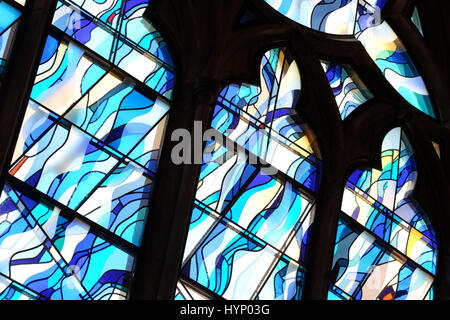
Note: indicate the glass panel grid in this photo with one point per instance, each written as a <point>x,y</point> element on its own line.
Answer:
<point>349,91</point>
<point>56,257</point>
<point>385,246</point>
<point>10,20</point>
<point>250,228</point>
<point>86,157</point>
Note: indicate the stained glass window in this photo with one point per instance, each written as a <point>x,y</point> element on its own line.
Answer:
<point>385,247</point>
<point>415,18</point>
<point>363,19</point>
<point>249,228</point>
<point>76,199</point>
<point>117,31</point>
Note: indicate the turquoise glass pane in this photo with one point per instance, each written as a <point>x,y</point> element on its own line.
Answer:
<point>284,283</point>
<point>145,68</point>
<point>117,114</point>
<point>115,197</point>
<point>117,31</point>
<point>120,202</point>
<point>277,219</point>
<point>64,75</point>
<point>64,164</point>
<point>349,91</point>
<point>416,20</point>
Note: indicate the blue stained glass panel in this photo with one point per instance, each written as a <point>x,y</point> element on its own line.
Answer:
<point>145,68</point>
<point>90,143</point>
<point>8,27</point>
<point>140,31</point>
<point>230,263</point>
<point>65,165</point>
<point>36,122</point>
<point>281,225</point>
<point>335,17</point>
<point>115,198</point>
<point>391,188</point>
<point>364,270</point>
<point>269,209</point>
<point>348,89</point>
<point>120,202</point>
<point>147,151</point>
<point>250,224</point>
<point>117,114</point>
<point>117,31</point>
<point>263,120</point>
<point>64,75</point>
<point>84,29</point>
<point>108,11</point>
<point>381,201</point>
<point>284,283</point>
<point>27,256</point>
<point>11,290</point>
<point>363,19</point>
<point>84,265</point>
<point>391,57</point>
<point>232,170</point>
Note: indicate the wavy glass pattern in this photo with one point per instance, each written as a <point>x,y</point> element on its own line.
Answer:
<point>335,17</point>
<point>186,292</point>
<point>363,19</point>
<point>73,210</point>
<point>89,135</point>
<point>391,57</point>
<point>235,263</point>
<point>393,239</point>
<point>117,31</point>
<point>348,89</point>
<point>250,226</point>
<point>364,270</point>
<point>55,257</point>
<point>8,26</point>
<point>415,18</point>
